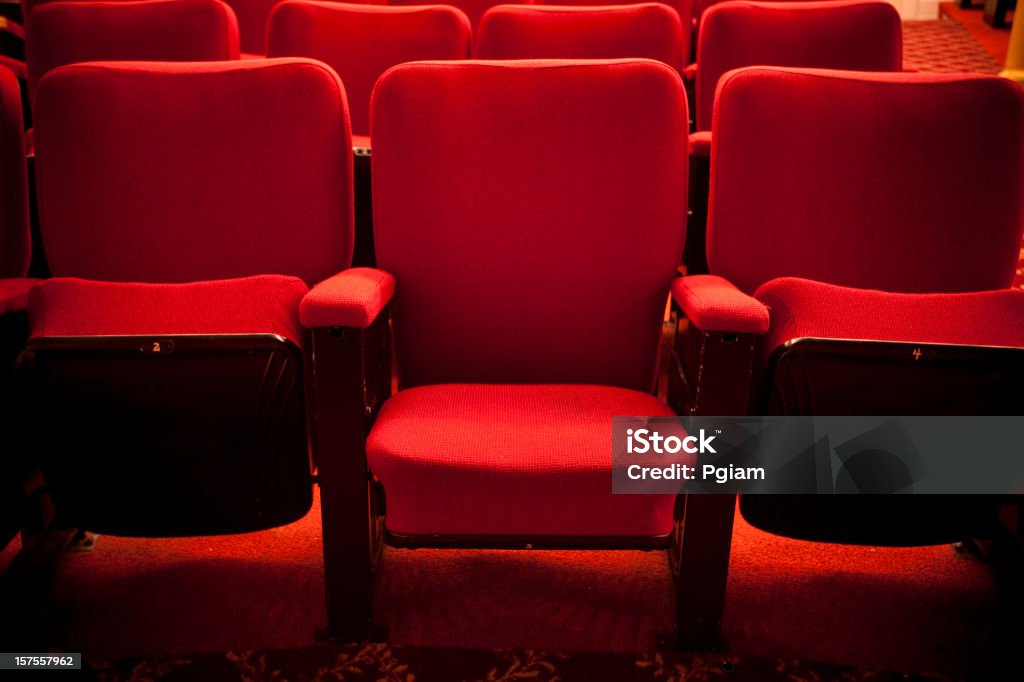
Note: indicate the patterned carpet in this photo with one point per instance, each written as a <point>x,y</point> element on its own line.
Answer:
<point>944,46</point>
<point>387,663</point>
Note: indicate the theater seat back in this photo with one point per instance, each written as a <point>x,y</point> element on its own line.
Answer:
<point>252,23</point>
<point>361,42</point>
<point>474,9</point>
<point>650,30</point>
<point>533,215</point>
<point>856,35</point>
<point>160,30</point>
<point>876,181</point>
<point>173,173</point>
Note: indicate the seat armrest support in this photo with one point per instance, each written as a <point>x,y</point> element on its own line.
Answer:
<point>350,378</point>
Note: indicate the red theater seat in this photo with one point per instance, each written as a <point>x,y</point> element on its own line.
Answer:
<point>15,246</point>
<point>361,42</point>
<point>849,276</point>
<point>499,434</point>
<point>854,35</point>
<point>183,237</point>
<point>649,30</point>
<point>474,9</point>
<point>159,30</point>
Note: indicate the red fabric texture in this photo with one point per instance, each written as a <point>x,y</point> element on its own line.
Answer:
<point>353,298</point>
<point>649,30</point>
<point>848,178</point>
<point>472,459</point>
<point>361,42</point>
<point>15,240</point>
<point>856,35</point>
<point>183,172</point>
<point>14,294</point>
<point>713,304</point>
<point>158,30</point>
<point>684,8</point>
<point>802,308</point>
<point>473,9</point>
<point>252,23</point>
<point>267,304</point>
<point>550,195</point>
<point>700,143</point>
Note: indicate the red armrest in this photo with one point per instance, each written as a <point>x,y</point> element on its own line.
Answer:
<point>690,73</point>
<point>353,298</point>
<point>14,294</point>
<point>713,304</point>
<point>16,66</point>
<point>700,143</point>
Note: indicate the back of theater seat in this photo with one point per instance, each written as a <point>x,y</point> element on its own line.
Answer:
<point>361,42</point>
<point>854,35</point>
<point>474,9</point>
<point>160,30</point>
<point>170,398</point>
<point>649,30</point>
<point>876,205</point>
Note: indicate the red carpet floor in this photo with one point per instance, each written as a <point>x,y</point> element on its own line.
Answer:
<point>921,609</point>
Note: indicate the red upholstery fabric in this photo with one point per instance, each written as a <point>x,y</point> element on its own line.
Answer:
<point>353,298</point>
<point>684,8</point>
<point>802,308</point>
<point>876,181</point>
<point>15,241</point>
<point>509,460</point>
<point>182,172</point>
<point>361,42</point>
<point>700,143</point>
<point>650,30</point>
<point>14,294</point>
<point>713,304</point>
<point>473,9</point>
<point>252,23</point>
<point>532,213</point>
<point>267,304</point>
<point>159,30</point>
<point>856,35</point>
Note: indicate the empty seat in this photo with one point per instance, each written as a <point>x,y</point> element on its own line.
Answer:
<point>474,9</point>
<point>853,35</point>
<point>850,276</point>
<point>361,42</point>
<point>15,246</point>
<point>159,30</point>
<point>650,30</point>
<point>495,436</point>
<point>186,209</point>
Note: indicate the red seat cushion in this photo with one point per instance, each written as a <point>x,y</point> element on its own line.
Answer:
<point>14,294</point>
<point>803,308</point>
<point>267,304</point>
<point>481,459</point>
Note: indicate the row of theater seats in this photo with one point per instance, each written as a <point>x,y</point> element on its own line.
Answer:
<point>204,347</point>
<point>361,42</point>
<point>253,14</point>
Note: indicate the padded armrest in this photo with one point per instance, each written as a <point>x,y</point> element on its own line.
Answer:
<point>14,294</point>
<point>714,304</point>
<point>352,298</point>
<point>690,73</point>
<point>700,143</point>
